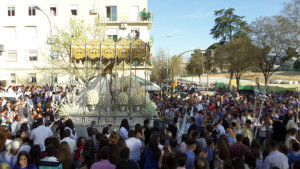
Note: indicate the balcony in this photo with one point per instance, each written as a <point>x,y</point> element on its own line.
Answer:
<point>141,18</point>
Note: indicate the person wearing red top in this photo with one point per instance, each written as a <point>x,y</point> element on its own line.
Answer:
<point>80,145</point>
<point>238,149</point>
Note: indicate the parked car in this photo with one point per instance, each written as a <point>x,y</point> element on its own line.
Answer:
<point>204,88</point>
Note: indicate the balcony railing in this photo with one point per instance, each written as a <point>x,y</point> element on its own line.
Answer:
<point>142,18</point>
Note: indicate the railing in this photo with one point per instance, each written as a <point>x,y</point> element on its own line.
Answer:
<point>142,18</point>
<point>85,120</point>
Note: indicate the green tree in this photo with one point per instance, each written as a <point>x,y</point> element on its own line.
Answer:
<point>236,53</point>
<point>194,67</point>
<point>273,38</point>
<point>296,64</point>
<point>227,27</point>
<point>159,71</point>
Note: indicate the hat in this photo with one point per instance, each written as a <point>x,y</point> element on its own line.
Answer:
<point>14,145</point>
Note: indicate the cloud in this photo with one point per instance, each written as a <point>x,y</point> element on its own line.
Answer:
<point>197,15</point>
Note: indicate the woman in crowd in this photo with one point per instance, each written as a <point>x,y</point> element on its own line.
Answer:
<point>23,161</point>
<point>35,154</point>
<point>86,160</point>
<point>152,153</point>
<point>80,145</point>
<point>113,138</point>
<point>65,156</point>
<point>124,128</point>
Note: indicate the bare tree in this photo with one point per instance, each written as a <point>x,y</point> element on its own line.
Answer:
<point>273,37</point>
<point>159,71</point>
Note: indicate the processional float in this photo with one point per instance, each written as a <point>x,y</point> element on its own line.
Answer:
<point>109,98</point>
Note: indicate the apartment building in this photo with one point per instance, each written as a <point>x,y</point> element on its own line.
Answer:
<point>25,31</point>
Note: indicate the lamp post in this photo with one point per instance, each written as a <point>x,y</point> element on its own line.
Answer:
<point>168,36</point>
<point>202,52</point>
<point>51,42</point>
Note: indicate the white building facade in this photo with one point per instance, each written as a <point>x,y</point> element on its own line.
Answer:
<point>24,30</point>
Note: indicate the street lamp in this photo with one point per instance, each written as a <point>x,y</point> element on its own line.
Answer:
<point>168,36</point>
<point>51,40</point>
<point>202,52</point>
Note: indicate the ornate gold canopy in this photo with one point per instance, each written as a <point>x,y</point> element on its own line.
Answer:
<point>109,49</point>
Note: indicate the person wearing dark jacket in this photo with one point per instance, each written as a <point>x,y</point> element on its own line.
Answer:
<point>193,125</point>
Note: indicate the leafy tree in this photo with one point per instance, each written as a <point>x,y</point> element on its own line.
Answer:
<point>296,64</point>
<point>194,67</point>
<point>227,27</point>
<point>159,71</point>
<point>273,38</point>
<point>236,53</point>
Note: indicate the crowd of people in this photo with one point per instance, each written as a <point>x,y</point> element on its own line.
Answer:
<point>223,131</point>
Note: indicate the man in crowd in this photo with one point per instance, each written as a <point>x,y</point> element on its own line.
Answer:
<point>39,134</point>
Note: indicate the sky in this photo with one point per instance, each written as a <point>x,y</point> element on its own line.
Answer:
<point>189,21</point>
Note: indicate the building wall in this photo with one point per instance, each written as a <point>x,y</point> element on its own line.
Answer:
<point>27,35</point>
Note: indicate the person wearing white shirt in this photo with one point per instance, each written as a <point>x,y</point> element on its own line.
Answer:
<point>135,145</point>
<point>39,134</point>
<point>220,127</point>
<point>199,106</point>
<point>15,126</point>
<point>69,140</point>
<point>124,127</point>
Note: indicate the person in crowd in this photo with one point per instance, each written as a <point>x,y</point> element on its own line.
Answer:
<point>50,161</point>
<point>113,138</point>
<point>79,145</point>
<point>16,124</point>
<point>135,146</point>
<point>124,162</point>
<point>191,147</point>
<point>86,160</point>
<point>39,134</point>
<point>139,132</point>
<point>275,158</point>
<point>238,149</point>
<point>71,142</point>
<point>35,154</point>
<point>292,136</point>
<point>23,161</point>
<point>124,128</point>
<point>294,155</point>
<point>193,125</point>
<point>152,153</point>
<point>147,131</point>
<point>65,156</point>
<point>247,132</point>
<point>70,126</point>
<point>13,150</point>
<point>104,162</point>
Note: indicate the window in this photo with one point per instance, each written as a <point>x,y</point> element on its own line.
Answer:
<point>111,13</point>
<point>11,10</point>
<point>53,11</point>
<point>10,32</point>
<point>73,10</point>
<point>31,11</point>
<point>32,78</point>
<point>55,78</point>
<point>11,56</point>
<point>13,78</point>
<point>32,55</point>
<point>30,32</point>
<point>112,34</point>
